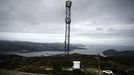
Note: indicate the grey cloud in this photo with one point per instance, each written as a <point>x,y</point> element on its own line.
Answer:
<point>99,29</point>
<point>47,16</point>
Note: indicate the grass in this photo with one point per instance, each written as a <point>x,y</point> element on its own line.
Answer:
<point>59,65</point>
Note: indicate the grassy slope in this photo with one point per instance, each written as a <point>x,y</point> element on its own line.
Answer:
<point>40,64</point>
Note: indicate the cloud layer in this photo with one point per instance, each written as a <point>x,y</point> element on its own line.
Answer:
<point>103,19</point>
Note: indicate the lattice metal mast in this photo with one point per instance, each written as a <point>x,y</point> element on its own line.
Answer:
<point>67,27</point>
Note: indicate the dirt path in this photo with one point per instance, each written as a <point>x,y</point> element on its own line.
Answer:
<point>7,72</point>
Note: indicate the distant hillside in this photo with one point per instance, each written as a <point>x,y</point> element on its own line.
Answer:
<point>112,52</point>
<point>25,47</point>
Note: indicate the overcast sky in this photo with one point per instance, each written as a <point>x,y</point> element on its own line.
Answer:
<point>93,21</point>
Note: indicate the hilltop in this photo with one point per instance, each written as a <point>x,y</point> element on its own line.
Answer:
<point>60,63</point>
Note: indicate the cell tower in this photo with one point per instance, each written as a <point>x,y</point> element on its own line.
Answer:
<point>67,27</point>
